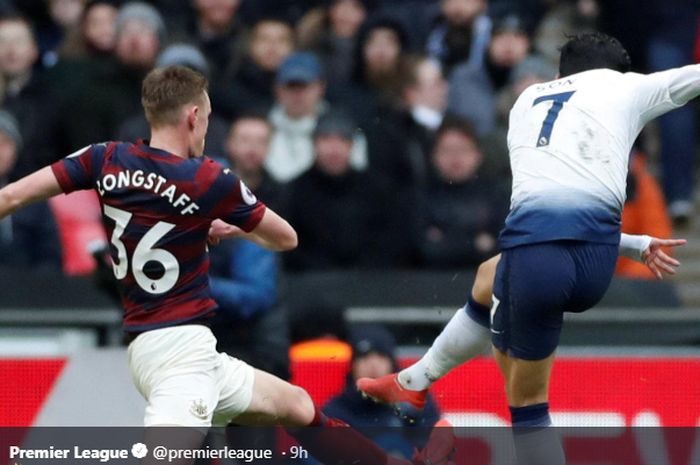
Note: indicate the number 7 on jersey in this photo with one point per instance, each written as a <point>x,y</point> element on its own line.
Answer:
<point>552,114</point>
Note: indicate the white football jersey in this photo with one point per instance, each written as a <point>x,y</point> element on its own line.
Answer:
<point>569,142</point>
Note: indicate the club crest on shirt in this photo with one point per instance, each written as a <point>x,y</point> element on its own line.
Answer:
<point>248,196</point>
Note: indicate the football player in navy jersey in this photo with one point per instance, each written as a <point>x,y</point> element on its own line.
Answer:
<point>162,201</point>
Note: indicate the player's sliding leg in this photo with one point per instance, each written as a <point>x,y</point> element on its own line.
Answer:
<point>277,402</point>
<point>527,387</point>
<point>465,336</point>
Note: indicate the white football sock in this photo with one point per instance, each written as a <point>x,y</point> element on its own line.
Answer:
<point>461,340</point>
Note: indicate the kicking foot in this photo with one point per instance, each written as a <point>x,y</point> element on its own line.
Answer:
<point>388,390</point>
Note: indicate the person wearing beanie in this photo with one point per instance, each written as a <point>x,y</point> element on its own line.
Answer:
<point>374,355</point>
<point>185,55</point>
<point>140,34</point>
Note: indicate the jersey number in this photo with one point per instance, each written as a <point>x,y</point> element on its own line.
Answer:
<point>552,114</point>
<point>144,253</point>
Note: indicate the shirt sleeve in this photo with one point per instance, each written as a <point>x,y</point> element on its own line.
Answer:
<point>235,203</point>
<point>657,93</point>
<point>78,170</point>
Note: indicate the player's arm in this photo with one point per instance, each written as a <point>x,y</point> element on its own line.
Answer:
<point>272,232</point>
<point>649,250</point>
<point>660,92</point>
<point>37,186</point>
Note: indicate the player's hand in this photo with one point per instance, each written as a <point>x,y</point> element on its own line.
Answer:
<point>657,260</point>
<point>221,230</point>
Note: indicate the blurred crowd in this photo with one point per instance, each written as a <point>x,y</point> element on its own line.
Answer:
<point>376,127</point>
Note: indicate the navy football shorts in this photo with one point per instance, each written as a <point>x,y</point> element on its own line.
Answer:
<point>535,284</point>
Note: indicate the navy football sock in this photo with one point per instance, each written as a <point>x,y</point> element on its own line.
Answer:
<point>536,443</point>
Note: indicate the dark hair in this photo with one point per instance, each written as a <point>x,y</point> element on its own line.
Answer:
<point>252,114</point>
<point>166,90</point>
<point>363,35</point>
<point>592,50</point>
<point>452,122</point>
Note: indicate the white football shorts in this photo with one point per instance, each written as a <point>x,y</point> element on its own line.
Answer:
<point>185,381</point>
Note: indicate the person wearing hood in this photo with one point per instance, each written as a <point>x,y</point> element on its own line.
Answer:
<point>474,89</point>
<point>374,355</point>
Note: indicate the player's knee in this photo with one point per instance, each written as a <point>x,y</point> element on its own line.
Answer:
<point>483,283</point>
<point>301,407</point>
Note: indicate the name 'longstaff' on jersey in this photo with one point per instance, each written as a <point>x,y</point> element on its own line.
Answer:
<point>152,182</point>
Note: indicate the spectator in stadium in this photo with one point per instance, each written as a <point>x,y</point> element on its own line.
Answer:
<point>461,35</point>
<point>473,89</point>
<point>27,96</point>
<point>136,127</point>
<point>570,18</point>
<point>87,50</point>
<point>344,216</point>
<point>331,32</point>
<point>399,144</point>
<point>28,237</point>
<point>425,98</point>
<point>462,212</point>
<point>217,31</point>
<point>95,34</point>
<point>63,17</point>
<point>299,91</point>
<point>377,73</point>
<point>251,84</point>
<point>374,355</point>
<point>247,145</point>
<point>113,95</point>
<point>645,212</point>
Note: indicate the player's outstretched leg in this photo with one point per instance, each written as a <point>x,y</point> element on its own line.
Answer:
<point>331,441</point>
<point>465,336</point>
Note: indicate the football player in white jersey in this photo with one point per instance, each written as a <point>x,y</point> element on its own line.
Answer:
<point>569,140</point>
